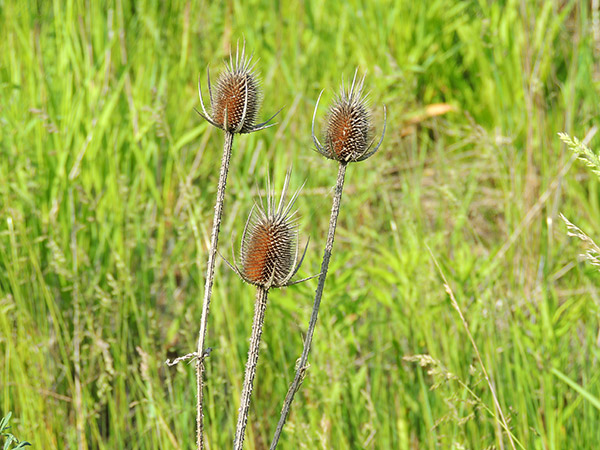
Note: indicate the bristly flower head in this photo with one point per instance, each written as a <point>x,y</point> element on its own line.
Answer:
<point>237,96</point>
<point>269,248</point>
<point>348,126</point>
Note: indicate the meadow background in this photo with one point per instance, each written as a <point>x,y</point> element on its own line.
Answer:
<point>108,179</point>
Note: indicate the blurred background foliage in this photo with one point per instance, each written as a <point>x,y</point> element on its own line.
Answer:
<point>108,179</point>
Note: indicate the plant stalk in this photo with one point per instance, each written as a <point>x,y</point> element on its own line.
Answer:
<point>260,307</point>
<point>80,421</point>
<point>302,364</point>
<point>210,273</point>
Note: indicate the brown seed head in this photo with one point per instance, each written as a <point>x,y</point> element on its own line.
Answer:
<point>348,126</point>
<point>269,250</point>
<point>237,97</point>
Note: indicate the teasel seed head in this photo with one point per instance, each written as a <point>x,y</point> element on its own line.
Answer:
<point>237,96</point>
<point>348,128</point>
<point>270,248</point>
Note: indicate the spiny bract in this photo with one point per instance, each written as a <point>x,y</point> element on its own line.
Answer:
<point>236,98</point>
<point>268,251</point>
<point>348,126</point>
<point>269,248</point>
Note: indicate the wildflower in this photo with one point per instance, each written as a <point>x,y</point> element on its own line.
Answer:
<point>347,139</point>
<point>237,97</point>
<point>269,249</point>
<point>348,126</point>
<point>269,257</point>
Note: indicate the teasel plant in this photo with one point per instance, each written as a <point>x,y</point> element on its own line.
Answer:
<point>269,258</point>
<point>234,107</point>
<point>347,139</point>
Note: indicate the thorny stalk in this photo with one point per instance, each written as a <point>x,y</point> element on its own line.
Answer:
<point>302,365</point>
<point>210,272</point>
<point>260,307</point>
<point>234,107</point>
<point>79,427</point>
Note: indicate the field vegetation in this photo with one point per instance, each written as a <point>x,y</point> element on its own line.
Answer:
<point>107,184</point>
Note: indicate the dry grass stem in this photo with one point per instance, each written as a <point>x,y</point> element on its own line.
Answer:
<point>80,421</point>
<point>593,250</point>
<point>488,380</point>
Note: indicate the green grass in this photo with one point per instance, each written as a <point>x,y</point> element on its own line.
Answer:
<point>108,180</point>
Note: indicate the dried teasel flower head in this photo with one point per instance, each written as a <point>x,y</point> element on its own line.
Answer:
<point>236,97</point>
<point>348,128</point>
<point>270,249</point>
